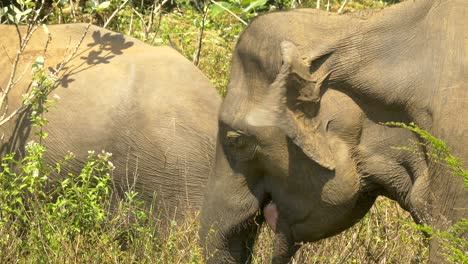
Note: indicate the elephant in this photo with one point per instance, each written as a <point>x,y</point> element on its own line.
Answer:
<point>148,106</point>
<point>303,140</point>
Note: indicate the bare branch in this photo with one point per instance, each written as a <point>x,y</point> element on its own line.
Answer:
<point>23,43</point>
<point>10,116</point>
<point>60,67</point>
<point>229,11</point>
<point>142,19</point>
<point>115,13</point>
<point>53,75</point>
<point>345,2</point>
<point>72,8</point>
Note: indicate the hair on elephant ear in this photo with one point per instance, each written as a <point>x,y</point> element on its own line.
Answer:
<point>307,132</point>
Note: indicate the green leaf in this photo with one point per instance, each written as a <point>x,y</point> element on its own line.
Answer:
<point>38,63</point>
<point>103,6</point>
<point>254,5</point>
<point>46,29</point>
<point>11,18</point>
<point>26,12</point>
<point>216,10</point>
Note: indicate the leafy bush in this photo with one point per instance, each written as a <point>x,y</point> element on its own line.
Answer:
<point>72,219</point>
<point>456,246</point>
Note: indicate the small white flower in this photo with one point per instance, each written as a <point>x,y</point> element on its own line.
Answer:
<point>106,154</point>
<point>56,96</point>
<point>32,143</point>
<point>34,84</point>
<point>91,152</point>
<point>111,165</point>
<point>35,173</point>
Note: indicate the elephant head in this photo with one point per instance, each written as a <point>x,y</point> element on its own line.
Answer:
<point>302,143</point>
<point>295,164</point>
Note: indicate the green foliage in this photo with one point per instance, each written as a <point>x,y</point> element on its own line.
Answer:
<point>455,245</point>
<point>17,14</point>
<point>19,190</point>
<point>82,199</point>
<point>246,9</point>
<point>93,6</point>
<point>36,99</point>
<point>438,150</point>
<point>71,219</point>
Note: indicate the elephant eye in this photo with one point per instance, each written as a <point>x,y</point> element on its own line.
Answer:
<point>244,145</point>
<point>236,139</point>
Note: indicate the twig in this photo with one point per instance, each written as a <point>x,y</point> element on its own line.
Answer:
<point>196,57</point>
<point>318,4</point>
<point>115,13</point>
<point>345,2</point>
<point>23,43</point>
<point>142,20</point>
<point>10,116</point>
<point>72,7</point>
<point>157,29</point>
<point>229,11</point>
<point>60,67</point>
<point>156,10</point>
<point>160,6</point>
<point>20,109</point>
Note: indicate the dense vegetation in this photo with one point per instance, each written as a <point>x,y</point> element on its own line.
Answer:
<point>70,221</point>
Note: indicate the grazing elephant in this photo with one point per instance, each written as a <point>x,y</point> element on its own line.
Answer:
<point>302,136</point>
<point>148,106</point>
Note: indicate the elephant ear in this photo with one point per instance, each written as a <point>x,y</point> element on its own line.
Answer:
<point>306,132</point>
<point>308,68</point>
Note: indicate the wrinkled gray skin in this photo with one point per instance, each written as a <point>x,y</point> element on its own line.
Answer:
<point>148,106</point>
<point>301,138</point>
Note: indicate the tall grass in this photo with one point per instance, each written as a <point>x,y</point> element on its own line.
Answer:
<point>384,235</point>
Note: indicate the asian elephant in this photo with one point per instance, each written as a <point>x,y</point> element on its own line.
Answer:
<point>303,141</point>
<point>148,106</point>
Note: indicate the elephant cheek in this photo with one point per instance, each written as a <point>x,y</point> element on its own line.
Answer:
<point>270,212</point>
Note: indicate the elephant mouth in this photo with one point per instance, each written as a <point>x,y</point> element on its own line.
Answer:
<point>270,212</point>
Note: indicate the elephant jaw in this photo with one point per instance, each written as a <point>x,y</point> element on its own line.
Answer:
<point>270,212</point>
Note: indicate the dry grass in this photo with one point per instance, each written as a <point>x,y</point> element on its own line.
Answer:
<point>385,235</point>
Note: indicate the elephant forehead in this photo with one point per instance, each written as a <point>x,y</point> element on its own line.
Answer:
<point>234,109</point>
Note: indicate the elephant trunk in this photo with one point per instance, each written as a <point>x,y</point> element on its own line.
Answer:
<point>230,217</point>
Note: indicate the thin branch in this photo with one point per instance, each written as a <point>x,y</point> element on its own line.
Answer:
<point>196,57</point>
<point>156,10</point>
<point>10,116</point>
<point>318,4</point>
<point>115,13</point>
<point>72,9</point>
<point>60,67</point>
<point>345,2</point>
<point>160,6</point>
<point>23,43</point>
<point>22,74</point>
<point>140,16</point>
<point>158,28</point>
<point>229,11</point>
<point>20,109</point>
